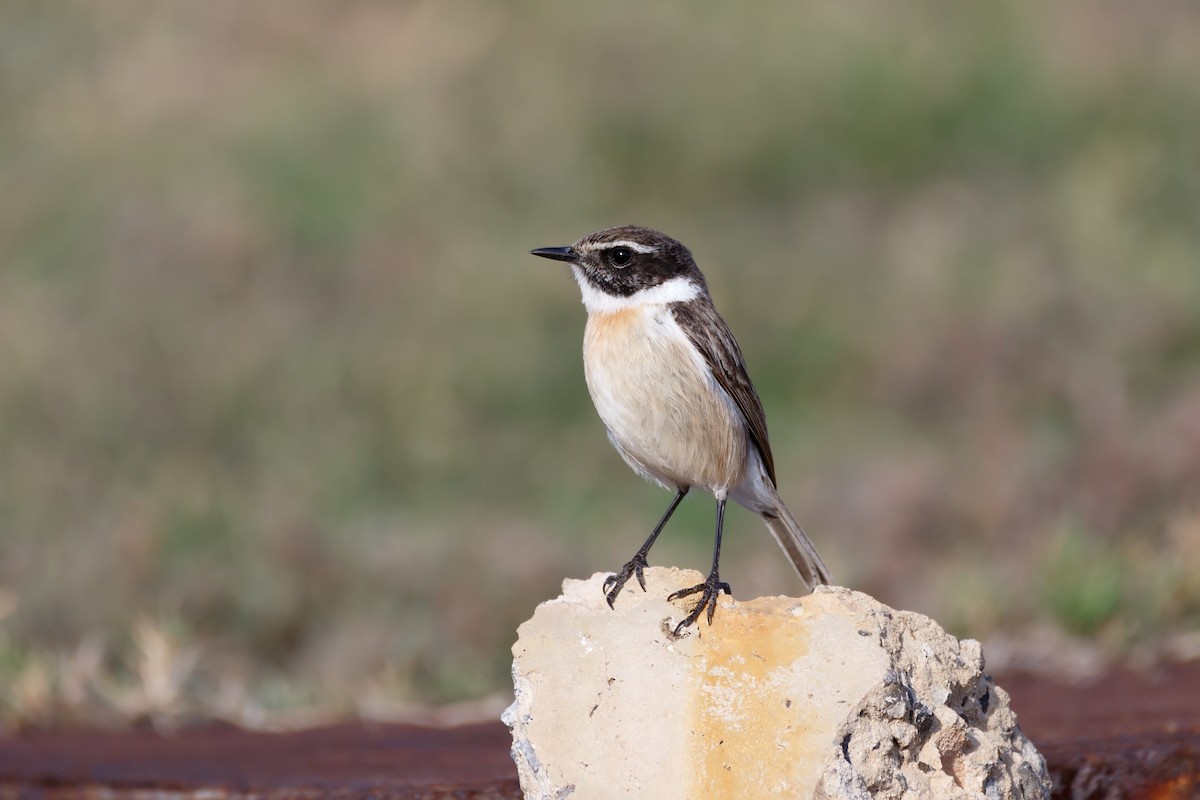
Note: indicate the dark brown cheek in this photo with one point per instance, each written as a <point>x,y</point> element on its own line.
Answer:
<point>622,283</point>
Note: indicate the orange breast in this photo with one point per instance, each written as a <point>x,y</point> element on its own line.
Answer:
<point>665,415</point>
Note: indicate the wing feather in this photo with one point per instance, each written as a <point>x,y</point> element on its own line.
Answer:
<point>712,337</point>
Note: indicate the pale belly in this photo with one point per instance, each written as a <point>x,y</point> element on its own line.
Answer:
<point>665,415</point>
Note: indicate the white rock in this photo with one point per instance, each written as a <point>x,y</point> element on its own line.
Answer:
<point>829,696</point>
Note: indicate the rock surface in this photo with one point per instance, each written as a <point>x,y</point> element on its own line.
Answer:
<point>829,696</point>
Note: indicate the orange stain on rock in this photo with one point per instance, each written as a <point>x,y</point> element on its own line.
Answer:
<point>749,710</point>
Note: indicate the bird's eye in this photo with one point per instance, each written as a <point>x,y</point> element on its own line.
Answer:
<point>620,256</point>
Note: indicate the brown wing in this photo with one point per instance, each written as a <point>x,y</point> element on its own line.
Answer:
<point>712,337</point>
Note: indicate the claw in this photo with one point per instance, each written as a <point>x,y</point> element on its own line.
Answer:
<point>613,584</point>
<point>710,590</point>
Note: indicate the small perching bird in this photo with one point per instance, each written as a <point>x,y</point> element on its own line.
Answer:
<point>670,385</point>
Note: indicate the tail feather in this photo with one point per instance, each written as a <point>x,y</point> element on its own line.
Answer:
<point>799,548</point>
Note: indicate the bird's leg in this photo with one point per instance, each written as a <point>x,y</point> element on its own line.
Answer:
<point>712,587</point>
<point>614,583</point>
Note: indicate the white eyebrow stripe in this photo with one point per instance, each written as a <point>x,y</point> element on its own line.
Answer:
<point>636,247</point>
<point>679,289</point>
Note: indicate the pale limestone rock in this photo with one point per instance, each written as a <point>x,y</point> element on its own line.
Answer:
<point>828,696</point>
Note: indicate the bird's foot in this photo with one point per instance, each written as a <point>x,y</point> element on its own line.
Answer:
<point>710,590</point>
<point>614,583</point>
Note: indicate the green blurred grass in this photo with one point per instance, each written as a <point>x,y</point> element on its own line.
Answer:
<point>289,420</point>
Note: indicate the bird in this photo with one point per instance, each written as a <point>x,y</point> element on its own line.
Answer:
<point>669,382</point>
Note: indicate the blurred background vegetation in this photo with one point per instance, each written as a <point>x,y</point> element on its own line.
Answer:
<point>290,423</point>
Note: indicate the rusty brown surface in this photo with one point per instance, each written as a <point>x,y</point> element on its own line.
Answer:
<point>388,762</point>
<point>1128,736</point>
<point>1139,767</point>
<point>1133,736</point>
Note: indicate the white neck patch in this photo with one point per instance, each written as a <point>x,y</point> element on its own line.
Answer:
<point>679,289</point>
